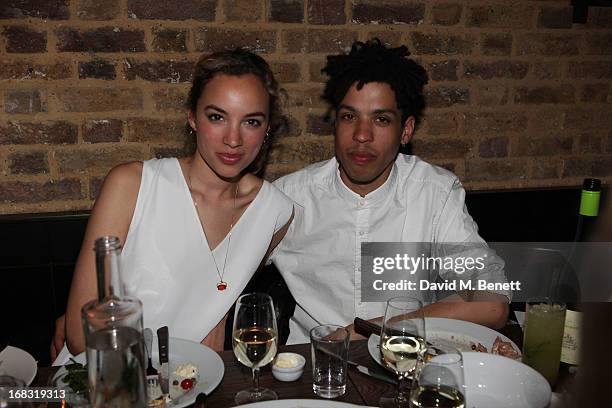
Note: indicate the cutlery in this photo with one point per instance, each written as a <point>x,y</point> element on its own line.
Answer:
<point>200,401</point>
<point>371,373</point>
<point>164,367</point>
<point>366,328</point>
<point>148,338</point>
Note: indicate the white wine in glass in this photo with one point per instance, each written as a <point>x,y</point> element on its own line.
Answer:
<point>254,341</point>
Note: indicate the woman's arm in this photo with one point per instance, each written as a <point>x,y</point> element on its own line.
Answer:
<point>111,215</point>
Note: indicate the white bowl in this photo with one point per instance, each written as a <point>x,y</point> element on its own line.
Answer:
<point>500,382</point>
<point>288,373</point>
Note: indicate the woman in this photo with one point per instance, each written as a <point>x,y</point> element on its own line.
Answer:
<point>195,229</point>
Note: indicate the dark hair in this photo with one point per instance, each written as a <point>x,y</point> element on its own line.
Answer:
<point>240,62</point>
<point>374,62</point>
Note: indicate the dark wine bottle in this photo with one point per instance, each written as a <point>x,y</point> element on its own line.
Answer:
<point>589,209</point>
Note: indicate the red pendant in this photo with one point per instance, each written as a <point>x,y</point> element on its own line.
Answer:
<point>221,286</point>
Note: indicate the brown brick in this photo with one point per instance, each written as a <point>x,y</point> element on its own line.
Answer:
<point>442,44</point>
<point>546,122</point>
<point>286,11</point>
<point>95,185</point>
<point>546,70</point>
<point>102,130</point>
<point>98,160</point>
<point>545,94</point>
<point>387,37</point>
<point>169,40</point>
<point>587,166</point>
<point>44,9</point>
<point>552,45</point>
<point>445,96</point>
<point>35,192</point>
<point>310,151</point>
<point>180,151</point>
<point>598,44</point>
<point>495,170</point>
<point>154,130</point>
<point>243,10</point>
<point>446,14</point>
<point>31,70</point>
<point>203,10</point>
<point>293,128</point>
<point>597,93</point>
<point>600,17</point>
<point>497,69</point>
<point>23,39</point>
<point>587,119</point>
<point>99,99</point>
<point>30,162</point>
<point>317,41</point>
<point>170,99</point>
<point>326,12</point>
<point>490,95</point>
<point>443,70</point>
<point>546,168</point>
<point>98,69</point>
<point>590,69</point>
<point>545,146</point>
<point>317,125</point>
<point>493,123</point>
<point>387,12</point>
<point>171,71</point>
<point>59,132</point>
<point>103,39</point>
<point>440,124</point>
<point>590,143</point>
<point>98,10</point>
<point>493,147</point>
<point>286,72</point>
<point>217,39</point>
<point>25,101</point>
<point>314,69</point>
<point>440,148</point>
<point>498,44</point>
<point>500,16</point>
<point>555,17</point>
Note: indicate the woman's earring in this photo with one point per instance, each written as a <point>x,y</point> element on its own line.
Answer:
<point>191,132</point>
<point>266,137</point>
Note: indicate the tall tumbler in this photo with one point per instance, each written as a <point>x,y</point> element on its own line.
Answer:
<point>113,335</point>
<point>329,348</point>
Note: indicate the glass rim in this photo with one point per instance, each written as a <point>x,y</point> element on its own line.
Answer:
<point>394,301</point>
<point>323,338</point>
<point>544,300</point>
<point>448,350</point>
<point>255,299</point>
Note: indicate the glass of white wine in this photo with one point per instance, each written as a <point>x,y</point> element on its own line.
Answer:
<point>439,380</point>
<point>254,341</point>
<point>402,344</point>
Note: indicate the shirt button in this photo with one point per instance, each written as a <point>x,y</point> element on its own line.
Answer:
<point>362,233</point>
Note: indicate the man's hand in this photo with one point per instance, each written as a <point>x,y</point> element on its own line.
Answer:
<point>59,337</point>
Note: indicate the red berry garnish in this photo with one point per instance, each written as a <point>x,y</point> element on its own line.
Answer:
<point>186,384</point>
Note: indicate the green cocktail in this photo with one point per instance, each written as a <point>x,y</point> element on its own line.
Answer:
<point>543,336</point>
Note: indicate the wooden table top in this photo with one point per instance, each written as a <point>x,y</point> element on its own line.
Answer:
<point>360,389</point>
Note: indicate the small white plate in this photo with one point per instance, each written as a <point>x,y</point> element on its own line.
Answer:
<point>301,403</point>
<point>18,363</point>
<point>210,366</point>
<point>450,332</point>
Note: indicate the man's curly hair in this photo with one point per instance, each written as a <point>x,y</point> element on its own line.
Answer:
<point>374,62</point>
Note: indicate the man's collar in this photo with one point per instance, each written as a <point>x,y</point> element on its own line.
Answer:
<point>373,197</point>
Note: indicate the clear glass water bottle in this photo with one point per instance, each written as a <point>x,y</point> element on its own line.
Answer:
<point>113,335</point>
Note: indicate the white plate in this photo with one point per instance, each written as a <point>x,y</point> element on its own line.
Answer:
<point>210,366</point>
<point>457,333</point>
<point>495,381</point>
<point>18,363</point>
<point>300,403</point>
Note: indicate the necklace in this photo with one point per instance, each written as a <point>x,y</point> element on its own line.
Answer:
<point>221,285</point>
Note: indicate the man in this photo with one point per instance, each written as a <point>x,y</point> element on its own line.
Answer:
<point>370,193</point>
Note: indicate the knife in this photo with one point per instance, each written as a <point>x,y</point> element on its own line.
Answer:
<point>164,368</point>
<point>371,373</point>
<point>366,328</point>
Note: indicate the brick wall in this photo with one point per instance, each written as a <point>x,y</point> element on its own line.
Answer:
<point>519,97</point>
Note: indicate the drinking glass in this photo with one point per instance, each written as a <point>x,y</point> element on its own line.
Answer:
<point>254,341</point>
<point>329,345</point>
<point>544,321</point>
<point>402,344</point>
<point>9,383</point>
<point>439,380</point>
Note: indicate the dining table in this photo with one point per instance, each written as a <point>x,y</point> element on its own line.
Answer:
<point>360,389</point>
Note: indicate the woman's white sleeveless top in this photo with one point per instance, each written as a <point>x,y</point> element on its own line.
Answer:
<point>166,261</point>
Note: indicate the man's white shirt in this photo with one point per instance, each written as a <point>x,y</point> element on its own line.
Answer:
<point>320,257</point>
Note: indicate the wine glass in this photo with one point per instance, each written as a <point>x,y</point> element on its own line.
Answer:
<point>439,379</point>
<point>254,341</point>
<point>402,343</point>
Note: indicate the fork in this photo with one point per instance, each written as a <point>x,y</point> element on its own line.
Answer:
<point>148,337</point>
